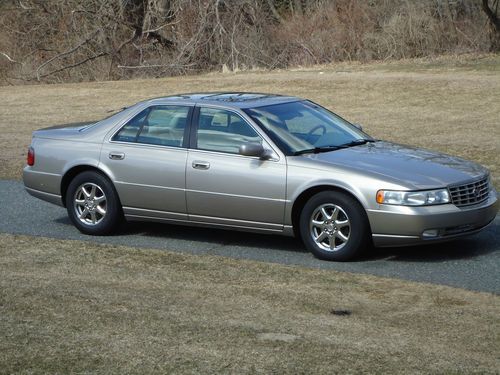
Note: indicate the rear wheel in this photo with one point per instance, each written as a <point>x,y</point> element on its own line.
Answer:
<point>92,203</point>
<point>333,226</point>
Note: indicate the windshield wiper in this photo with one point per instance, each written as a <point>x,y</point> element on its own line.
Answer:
<point>357,142</point>
<point>317,150</point>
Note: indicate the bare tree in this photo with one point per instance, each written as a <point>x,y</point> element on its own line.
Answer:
<point>78,40</point>
<point>491,12</point>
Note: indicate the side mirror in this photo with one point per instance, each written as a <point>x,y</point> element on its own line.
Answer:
<point>255,149</point>
<point>358,126</point>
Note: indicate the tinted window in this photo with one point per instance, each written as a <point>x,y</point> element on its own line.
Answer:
<point>129,132</point>
<point>224,131</point>
<point>159,125</point>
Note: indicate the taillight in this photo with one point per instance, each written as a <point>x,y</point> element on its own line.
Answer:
<point>31,156</point>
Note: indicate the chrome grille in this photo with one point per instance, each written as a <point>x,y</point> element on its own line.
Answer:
<point>470,193</point>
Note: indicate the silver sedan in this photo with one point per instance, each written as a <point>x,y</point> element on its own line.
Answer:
<point>257,162</point>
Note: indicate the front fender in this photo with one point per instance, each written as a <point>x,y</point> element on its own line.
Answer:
<point>361,187</point>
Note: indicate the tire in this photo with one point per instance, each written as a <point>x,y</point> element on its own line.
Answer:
<point>93,205</point>
<point>334,226</point>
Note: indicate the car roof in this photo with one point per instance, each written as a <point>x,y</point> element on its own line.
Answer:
<point>226,99</point>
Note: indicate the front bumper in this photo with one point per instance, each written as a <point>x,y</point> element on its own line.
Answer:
<point>403,226</point>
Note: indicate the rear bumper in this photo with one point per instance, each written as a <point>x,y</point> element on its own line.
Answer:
<point>403,226</point>
<point>45,186</point>
<point>48,197</point>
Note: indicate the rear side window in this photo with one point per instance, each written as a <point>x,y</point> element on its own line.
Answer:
<point>129,132</point>
<point>158,125</point>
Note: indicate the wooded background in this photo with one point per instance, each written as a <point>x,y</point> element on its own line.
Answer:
<point>82,40</point>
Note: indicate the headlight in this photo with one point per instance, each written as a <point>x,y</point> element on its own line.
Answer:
<point>413,198</point>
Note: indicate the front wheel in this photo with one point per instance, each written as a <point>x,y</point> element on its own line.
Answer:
<point>334,226</point>
<point>92,203</point>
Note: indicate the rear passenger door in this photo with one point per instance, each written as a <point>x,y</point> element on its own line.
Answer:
<point>147,158</point>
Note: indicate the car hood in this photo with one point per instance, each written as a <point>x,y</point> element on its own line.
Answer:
<point>420,168</point>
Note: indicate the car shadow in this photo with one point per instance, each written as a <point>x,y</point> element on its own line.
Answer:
<point>459,249</point>
<point>483,243</point>
<point>213,236</point>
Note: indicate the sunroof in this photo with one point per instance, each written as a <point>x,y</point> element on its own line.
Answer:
<point>236,96</point>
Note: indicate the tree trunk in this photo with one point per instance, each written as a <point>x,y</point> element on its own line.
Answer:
<point>297,6</point>
<point>274,11</point>
<point>494,23</point>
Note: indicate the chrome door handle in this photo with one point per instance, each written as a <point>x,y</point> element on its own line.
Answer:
<point>201,164</point>
<point>116,155</point>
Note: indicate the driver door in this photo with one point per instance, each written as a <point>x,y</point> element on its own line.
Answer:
<point>226,188</point>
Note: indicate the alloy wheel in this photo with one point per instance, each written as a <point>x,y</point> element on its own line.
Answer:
<point>90,204</point>
<point>330,227</point>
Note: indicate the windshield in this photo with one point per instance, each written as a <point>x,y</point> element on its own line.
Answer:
<point>299,126</point>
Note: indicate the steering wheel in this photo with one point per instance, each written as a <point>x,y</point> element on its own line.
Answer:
<point>314,129</point>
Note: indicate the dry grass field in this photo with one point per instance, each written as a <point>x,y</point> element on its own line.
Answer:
<point>447,104</point>
<point>75,307</point>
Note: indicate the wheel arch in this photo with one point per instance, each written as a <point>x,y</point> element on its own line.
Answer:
<point>71,173</point>
<point>304,196</point>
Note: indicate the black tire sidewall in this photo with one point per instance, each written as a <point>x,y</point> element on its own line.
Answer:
<point>359,231</point>
<point>113,207</point>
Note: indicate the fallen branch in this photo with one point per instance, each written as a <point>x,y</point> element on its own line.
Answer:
<point>160,27</point>
<point>154,66</point>
<point>70,51</point>
<point>73,65</point>
<point>24,6</point>
<point>9,58</point>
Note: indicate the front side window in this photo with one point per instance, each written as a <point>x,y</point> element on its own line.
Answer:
<point>223,131</point>
<point>158,125</point>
